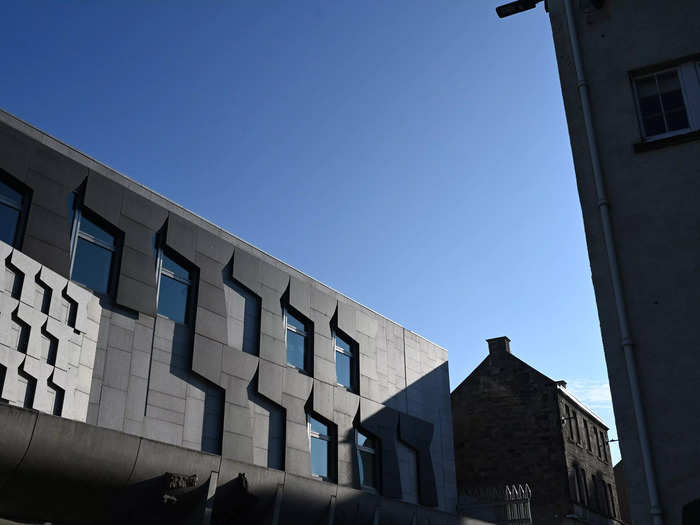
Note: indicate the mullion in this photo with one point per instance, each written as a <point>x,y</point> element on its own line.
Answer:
<point>661,102</point>
<point>344,352</point>
<point>95,240</point>
<point>174,277</point>
<point>7,202</point>
<point>293,329</point>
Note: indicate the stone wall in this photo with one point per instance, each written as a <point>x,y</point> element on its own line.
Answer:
<point>507,431</point>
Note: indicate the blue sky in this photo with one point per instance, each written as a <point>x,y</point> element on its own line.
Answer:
<point>413,155</point>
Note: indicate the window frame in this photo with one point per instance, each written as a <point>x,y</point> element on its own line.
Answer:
<point>376,455</point>
<point>354,360</point>
<point>329,439</point>
<point>688,72</point>
<point>80,212</point>
<point>23,208</point>
<point>599,450</point>
<point>568,416</point>
<point>655,75</point>
<point>307,334</point>
<point>163,250</point>
<point>587,430</point>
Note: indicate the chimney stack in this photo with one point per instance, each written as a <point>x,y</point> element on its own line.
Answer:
<point>499,345</point>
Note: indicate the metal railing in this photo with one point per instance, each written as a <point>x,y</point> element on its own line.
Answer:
<point>507,505</point>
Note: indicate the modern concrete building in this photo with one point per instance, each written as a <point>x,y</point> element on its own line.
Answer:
<point>514,425</point>
<point>630,79</point>
<point>155,368</point>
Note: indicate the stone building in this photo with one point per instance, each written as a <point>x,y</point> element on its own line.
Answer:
<point>155,368</point>
<point>630,80</point>
<point>514,425</point>
<point>631,93</point>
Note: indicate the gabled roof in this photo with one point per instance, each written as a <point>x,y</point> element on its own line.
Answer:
<point>560,387</point>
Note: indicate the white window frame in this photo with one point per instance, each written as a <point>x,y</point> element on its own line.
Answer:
<point>374,453</point>
<point>689,80</point>
<point>287,328</point>
<point>354,365</point>
<point>324,437</point>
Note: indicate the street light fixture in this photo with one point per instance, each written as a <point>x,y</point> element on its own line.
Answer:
<point>513,8</point>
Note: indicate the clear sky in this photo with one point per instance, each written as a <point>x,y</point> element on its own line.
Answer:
<point>411,154</point>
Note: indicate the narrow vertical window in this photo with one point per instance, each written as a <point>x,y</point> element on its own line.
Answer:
<point>297,342</point>
<point>574,416</point>
<point>611,500</point>
<point>93,251</point>
<point>588,434</point>
<point>569,421</point>
<point>603,446</point>
<point>174,289</point>
<point>367,458</point>
<point>321,444</point>
<point>598,444</point>
<point>13,206</point>
<point>584,486</point>
<point>345,363</point>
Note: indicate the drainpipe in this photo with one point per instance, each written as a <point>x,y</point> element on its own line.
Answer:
<point>604,208</point>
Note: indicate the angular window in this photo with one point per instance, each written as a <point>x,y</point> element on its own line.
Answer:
<point>367,458</point>
<point>94,247</point>
<point>668,101</point>
<point>13,210</point>
<point>298,354</point>
<point>321,448</point>
<point>345,363</point>
<point>174,289</point>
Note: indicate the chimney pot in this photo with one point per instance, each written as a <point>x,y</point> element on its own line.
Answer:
<point>499,345</point>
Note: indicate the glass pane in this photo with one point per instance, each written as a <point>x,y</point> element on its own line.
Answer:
<point>178,270</point>
<point>89,227</point>
<point>319,457</point>
<point>649,101</point>
<point>91,266</point>
<point>654,126</point>
<point>672,100</point>
<point>668,81</point>
<point>318,427</point>
<point>367,473</point>
<point>364,441</point>
<point>172,299</point>
<point>296,323</point>
<point>646,86</point>
<point>11,195</point>
<point>342,344</point>
<point>295,349</point>
<point>342,369</point>
<point>9,217</point>
<point>677,120</point>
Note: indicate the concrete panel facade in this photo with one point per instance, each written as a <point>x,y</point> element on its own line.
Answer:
<point>220,381</point>
<point>48,337</point>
